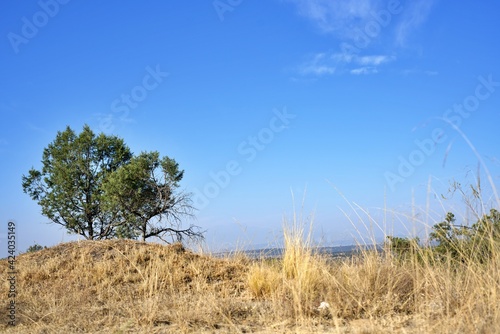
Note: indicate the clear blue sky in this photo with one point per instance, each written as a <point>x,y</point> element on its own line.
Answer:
<point>267,97</point>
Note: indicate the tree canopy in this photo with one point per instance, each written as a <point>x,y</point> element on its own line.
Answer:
<point>145,193</point>
<point>94,186</point>
<point>69,186</point>
<point>478,242</point>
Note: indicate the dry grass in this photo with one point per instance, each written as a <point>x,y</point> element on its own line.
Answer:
<point>125,286</point>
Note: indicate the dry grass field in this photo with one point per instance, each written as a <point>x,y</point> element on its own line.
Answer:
<point>124,286</point>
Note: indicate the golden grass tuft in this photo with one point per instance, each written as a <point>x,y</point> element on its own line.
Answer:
<point>263,280</point>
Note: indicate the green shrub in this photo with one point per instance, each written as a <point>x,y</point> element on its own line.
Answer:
<point>34,248</point>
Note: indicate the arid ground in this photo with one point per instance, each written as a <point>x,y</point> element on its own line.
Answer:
<point>124,286</point>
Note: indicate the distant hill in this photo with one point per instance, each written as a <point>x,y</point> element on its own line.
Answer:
<point>275,252</point>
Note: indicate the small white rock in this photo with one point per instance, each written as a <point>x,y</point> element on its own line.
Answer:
<point>323,306</point>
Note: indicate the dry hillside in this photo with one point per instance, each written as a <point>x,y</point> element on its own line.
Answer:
<point>123,286</point>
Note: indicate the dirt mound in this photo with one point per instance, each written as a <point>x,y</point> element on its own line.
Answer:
<point>90,285</point>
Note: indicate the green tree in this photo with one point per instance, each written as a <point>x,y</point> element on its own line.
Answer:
<point>69,186</point>
<point>145,192</point>
<point>35,248</point>
<point>485,236</point>
<point>451,238</point>
<point>402,247</point>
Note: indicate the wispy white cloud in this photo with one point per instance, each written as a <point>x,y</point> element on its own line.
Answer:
<point>327,64</point>
<point>341,17</point>
<point>414,15</point>
<point>346,18</point>
<point>374,60</point>
<point>351,21</point>
<point>363,70</point>
<point>318,66</point>
<point>417,71</point>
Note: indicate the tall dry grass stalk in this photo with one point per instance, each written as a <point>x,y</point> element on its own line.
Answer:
<point>302,269</point>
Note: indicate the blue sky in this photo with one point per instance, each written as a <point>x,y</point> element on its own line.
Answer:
<point>261,100</point>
